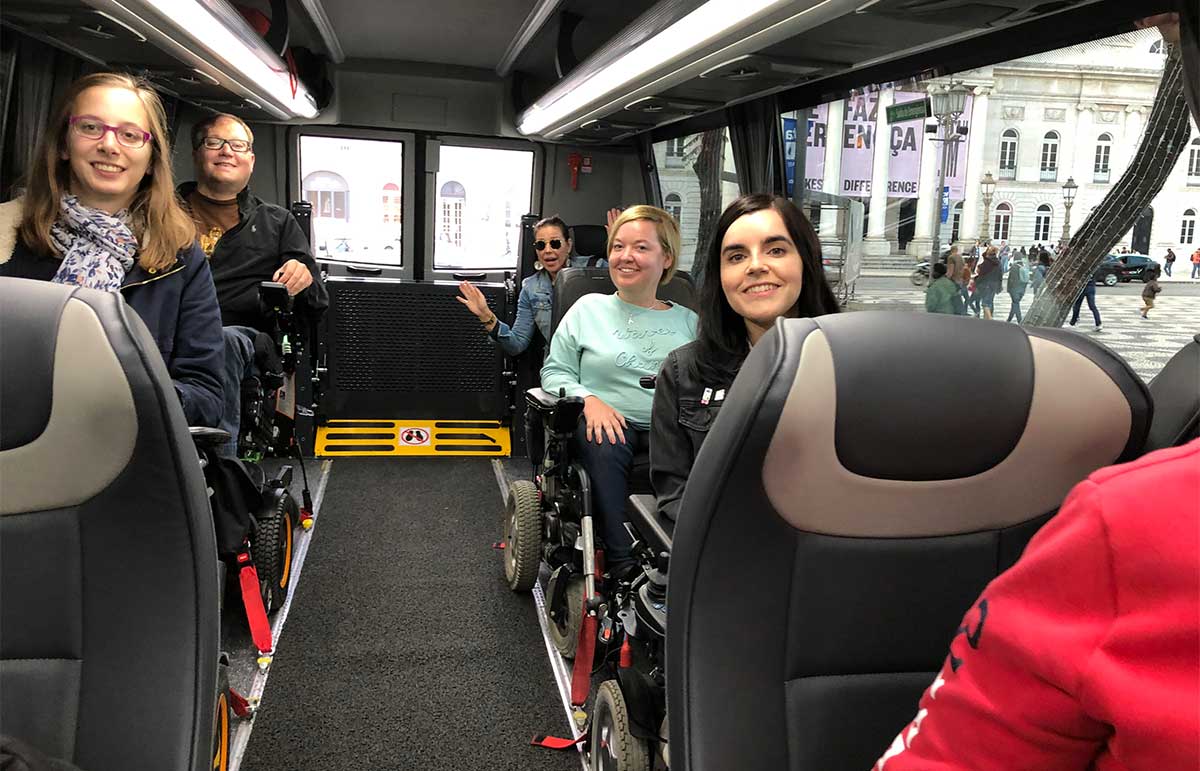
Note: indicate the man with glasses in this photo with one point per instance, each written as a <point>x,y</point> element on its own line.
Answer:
<point>247,241</point>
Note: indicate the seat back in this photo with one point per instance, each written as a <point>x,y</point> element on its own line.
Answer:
<point>589,240</point>
<point>868,475</point>
<point>108,563</point>
<point>573,283</point>
<point>1176,392</point>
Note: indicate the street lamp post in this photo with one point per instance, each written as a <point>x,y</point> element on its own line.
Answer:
<point>1068,198</point>
<point>988,185</point>
<point>948,103</point>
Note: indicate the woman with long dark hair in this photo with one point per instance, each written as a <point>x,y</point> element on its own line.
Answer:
<point>764,263</point>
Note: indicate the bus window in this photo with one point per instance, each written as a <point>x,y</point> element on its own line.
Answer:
<point>1024,169</point>
<point>697,177</point>
<point>479,197</point>
<point>356,188</point>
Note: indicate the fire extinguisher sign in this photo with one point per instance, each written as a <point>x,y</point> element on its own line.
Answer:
<point>586,166</point>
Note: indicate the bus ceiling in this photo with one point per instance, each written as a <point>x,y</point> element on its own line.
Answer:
<point>571,70</point>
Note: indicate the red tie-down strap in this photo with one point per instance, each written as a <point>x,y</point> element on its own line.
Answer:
<point>585,651</point>
<point>256,614</point>
<point>239,704</point>
<point>558,742</point>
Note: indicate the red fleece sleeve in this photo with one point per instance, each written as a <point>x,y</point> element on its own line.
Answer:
<point>1008,694</point>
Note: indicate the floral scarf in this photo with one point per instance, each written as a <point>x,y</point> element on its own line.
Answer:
<point>98,248</point>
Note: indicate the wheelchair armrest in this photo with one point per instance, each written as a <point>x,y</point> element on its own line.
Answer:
<point>655,529</point>
<point>541,400</point>
<point>563,411</point>
<point>202,436</point>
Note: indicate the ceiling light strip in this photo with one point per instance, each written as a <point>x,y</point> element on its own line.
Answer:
<point>194,28</point>
<point>701,27</point>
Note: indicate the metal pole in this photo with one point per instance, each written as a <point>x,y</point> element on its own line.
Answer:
<point>1066,236</point>
<point>945,122</point>
<point>987,215</point>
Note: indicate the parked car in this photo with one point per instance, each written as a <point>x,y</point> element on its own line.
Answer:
<point>1124,267</point>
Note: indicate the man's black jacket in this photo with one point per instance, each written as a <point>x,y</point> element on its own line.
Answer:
<point>265,237</point>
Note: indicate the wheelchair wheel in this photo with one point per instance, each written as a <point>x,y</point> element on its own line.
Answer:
<point>564,625</point>
<point>614,747</point>
<point>223,723</point>
<point>522,536</point>
<point>273,550</point>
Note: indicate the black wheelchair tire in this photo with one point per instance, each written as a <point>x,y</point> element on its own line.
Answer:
<point>566,635</point>
<point>273,550</point>
<point>614,747</point>
<point>223,722</point>
<point>522,536</point>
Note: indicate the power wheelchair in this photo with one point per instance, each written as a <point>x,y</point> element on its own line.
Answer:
<point>548,517</point>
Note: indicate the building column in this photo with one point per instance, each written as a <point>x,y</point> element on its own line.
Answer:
<point>972,210</point>
<point>1086,132</point>
<point>834,129</point>
<point>1131,138</point>
<point>877,242</point>
<point>928,198</point>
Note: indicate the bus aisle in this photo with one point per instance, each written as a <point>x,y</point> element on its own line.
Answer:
<point>404,648</point>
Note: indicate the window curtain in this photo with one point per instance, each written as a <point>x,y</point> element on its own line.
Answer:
<point>757,138</point>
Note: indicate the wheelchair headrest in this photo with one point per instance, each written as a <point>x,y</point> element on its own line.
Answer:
<point>573,283</point>
<point>589,240</point>
<point>65,401</point>
<point>889,424</point>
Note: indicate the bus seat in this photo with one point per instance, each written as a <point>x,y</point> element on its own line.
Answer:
<point>573,283</point>
<point>1176,392</point>
<point>108,562</point>
<point>869,474</point>
<point>589,240</point>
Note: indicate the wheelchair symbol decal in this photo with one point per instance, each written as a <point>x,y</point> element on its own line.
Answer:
<point>414,437</point>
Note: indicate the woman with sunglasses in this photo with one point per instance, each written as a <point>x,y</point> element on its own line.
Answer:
<point>100,211</point>
<point>764,263</point>
<point>553,248</point>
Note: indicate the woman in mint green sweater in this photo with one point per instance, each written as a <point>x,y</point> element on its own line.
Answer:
<point>601,349</point>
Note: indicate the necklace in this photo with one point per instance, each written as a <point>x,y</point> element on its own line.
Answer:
<point>640,309</point>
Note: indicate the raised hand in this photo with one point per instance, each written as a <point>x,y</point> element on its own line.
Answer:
<point>474,300</point>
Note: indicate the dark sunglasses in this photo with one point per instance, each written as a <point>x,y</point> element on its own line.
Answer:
<point>555,243</point>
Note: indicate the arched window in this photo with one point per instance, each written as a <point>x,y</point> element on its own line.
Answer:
<point>392,209</point>
<point>1187,231</point>
<point>1050,157</point>
<point>673,203</point>
<point>452,198</point>
<point>1100,169</point>
<point>1002,222</point>
<point>1041,223</point>
<point>329,195</point>
<point>955,223</point>
<point>1193,175</point>
<point>1008,154</point>
<point>1157,47</point>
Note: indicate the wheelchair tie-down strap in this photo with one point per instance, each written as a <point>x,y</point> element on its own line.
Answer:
<point>256,613</point>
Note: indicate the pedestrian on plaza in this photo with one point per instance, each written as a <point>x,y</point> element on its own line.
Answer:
<point>1196,263</point>
<point>1089,294</point>
<point>1169,262</point>
<point>1038,274</point>
<point>1005,256</point>
<point>987,282</point>
<point>1018,280</point>
<point>1150,292</point>
<point>956,271</point>
<point>943,296</point>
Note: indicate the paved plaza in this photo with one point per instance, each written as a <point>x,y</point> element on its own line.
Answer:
<point>1147,344</point>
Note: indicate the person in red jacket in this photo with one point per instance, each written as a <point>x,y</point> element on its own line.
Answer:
<point>1086,653</point>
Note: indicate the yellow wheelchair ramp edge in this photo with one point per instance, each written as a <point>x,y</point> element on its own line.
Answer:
<point>350,438</point>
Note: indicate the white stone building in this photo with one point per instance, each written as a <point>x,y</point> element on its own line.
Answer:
<point>1035,122</point>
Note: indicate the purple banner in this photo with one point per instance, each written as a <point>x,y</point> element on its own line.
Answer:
<point>858,145</point>
<point>956,171</point>
<point>815,148</point>
<point>906,140</point>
